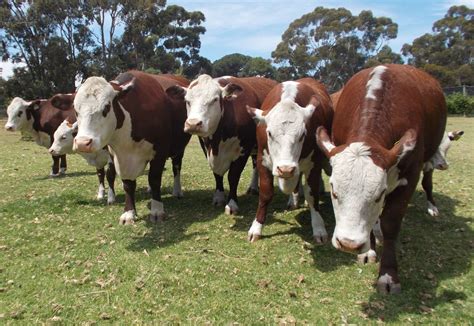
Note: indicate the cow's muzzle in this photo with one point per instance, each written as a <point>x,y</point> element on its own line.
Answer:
<point>349,245</point>
<point>9,128</point>
<point>443,166</point>
<point>83,144</point>
<point>285,171</point>
<point>192,126</point>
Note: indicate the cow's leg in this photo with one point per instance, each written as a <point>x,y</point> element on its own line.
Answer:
<point>111,173</point>
<point>390,222</point>
<point>157,211</point>
<point>55,166</point>
<point>427,184</point>
<point>371,255</point>
<point>63,164</point>
<point>233,177</point>
<point>177,162</point>
<point>293,198</point>
<point>101,176</point>
<point>219,196</point>
<point>265,196</point>
<point>129,215</point>
<point>311,193</point>
<point>253,188</point>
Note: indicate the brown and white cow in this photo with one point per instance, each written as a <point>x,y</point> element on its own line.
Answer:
<point>40,119</point>
<point>335,98</point>
<point>140,123</point>
<point>62,145</point>
<point>389,121</point>
<point>217,114</point>
<point>287,147</point>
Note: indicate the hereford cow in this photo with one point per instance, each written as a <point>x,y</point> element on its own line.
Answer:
<point>39,119</point>
<point>140,124</point>
<point>62,144</point>
<point>287,147</point>
<point>335,98</point>
<point>217,114</point>
<point>389,121</point>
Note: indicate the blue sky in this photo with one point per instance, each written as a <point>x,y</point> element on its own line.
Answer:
<point>255,27</point>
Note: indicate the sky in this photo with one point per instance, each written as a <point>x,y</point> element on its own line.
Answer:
<point>254,28</point>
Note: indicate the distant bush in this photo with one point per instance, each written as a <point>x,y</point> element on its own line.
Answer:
<point>460,104</point>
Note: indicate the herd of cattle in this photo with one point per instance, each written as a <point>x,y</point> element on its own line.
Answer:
<point>374,138</point>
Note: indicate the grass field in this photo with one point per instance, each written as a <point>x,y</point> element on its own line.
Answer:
<point>65,259</point>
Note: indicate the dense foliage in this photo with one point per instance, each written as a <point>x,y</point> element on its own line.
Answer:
<point>460,104</point>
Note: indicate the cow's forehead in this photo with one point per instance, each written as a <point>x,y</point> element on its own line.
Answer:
<point>286,116</point>
<point>16,104</point>
<point>354,171</point>
<point>204,88</point>
<point>93,94</point>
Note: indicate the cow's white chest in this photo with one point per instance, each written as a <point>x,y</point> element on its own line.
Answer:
<point>229,151</point>
<point>98,159</point>
<point>130,157</point>
<point>306,164</point>
<point>42,138</point>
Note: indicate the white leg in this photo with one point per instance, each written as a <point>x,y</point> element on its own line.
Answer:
<point>219,198</point>
<point>128,217</point>
<point>255,231</point>
<point>378,233</point>
<point>320,234</point>
<point>231,208</point>
<point>157,213</point>
<point>110,197</point>
<point>54,175</point>
<point>177,191</point>
<point>101,192</point>
<point>432,209</point>
<point>293,201</point>
<point>253,188</point>
<point>367,257</point>
<point>62,170</point>
<point>386,285</point>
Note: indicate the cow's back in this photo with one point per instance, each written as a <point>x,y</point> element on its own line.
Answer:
<point>260,85</point>
<point>48,118</point>
<point>409,98</point>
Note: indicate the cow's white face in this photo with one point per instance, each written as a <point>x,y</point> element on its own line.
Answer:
<point>358,189</point>
<point>17,117</point>
<point>64,138</point>
<point>286,132</point>
<point>96,120</point>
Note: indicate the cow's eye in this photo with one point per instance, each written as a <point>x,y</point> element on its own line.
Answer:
<point>302,137</point>
<point>106,110</point>
<point>63,137</point>
<point>20,113</point>
<point>215,100</point>
<point>380,196</point>
<point>187,102</point>
<point>270,134</point>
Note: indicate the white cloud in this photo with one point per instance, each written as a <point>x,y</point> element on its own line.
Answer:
<point>7,68</point>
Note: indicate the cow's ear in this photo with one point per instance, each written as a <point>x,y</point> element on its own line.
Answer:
<point>309,109</point>
<point>231,91</point>
<point>324,141</point>
<point>123,89</point>
<point>256,114</point>
<point>402,147</point>
<point>34,105</point>
<point>455,135</point>
<point>63,101</point>
<point>176,92</point>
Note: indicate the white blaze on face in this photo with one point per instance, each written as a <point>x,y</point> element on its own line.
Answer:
<point>63,139</point>
<point>16,112</point>
<point>439,159</point>
<point>203,104</point>
<point>95,117</point>
<point>375,82</point>
<point>358,192</point>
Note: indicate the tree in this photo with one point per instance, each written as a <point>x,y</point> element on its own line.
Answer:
<point>332,44</point>
<point>230,65</point>
<point>385,55</point>
<point>258,67</point>
<point>448,52</point>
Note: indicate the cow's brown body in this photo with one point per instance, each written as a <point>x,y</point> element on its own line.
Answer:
<point>335,98</point>
<point>307,89</point>
<point>408,100</point>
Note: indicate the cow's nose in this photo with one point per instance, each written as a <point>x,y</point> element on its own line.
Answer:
<point>442,166</point>
<point>285,171</point>
<point>51,151</point>
<point>83,144</point>
<point>192,125</point>
<point>8,128</point>
<point>349,245</point>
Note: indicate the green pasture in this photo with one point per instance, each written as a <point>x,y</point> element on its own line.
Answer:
<point>65,259</point>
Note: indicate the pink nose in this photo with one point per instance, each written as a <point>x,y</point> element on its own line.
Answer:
<point>442,166</point>
<point>192,125</point>
<point>349,245</point>
<point>83,144</point>
<point>285,171</point>
<point>9,128</point>
<point>51,151</point>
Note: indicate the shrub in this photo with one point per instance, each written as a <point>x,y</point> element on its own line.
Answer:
<point>460,104</point>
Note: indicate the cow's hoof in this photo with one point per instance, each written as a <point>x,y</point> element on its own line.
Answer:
<point>433,210</point>
<point>157,218</point>
<point>219,198</point>
<point>110,197</point>
<point>255,231</point>
<point>127,218</point>
<point>385,285</point>
<point>54,175</point>
<point>178,194</point>
<point>368,257</point>
<point>320,238</point>
<point>252,191</point>
<point>231,208</point>
<point>62,171</point>
<point>100,196</point>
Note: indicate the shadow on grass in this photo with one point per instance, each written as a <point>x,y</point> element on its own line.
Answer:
<point>430,251</point>
<point>67,175</point>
